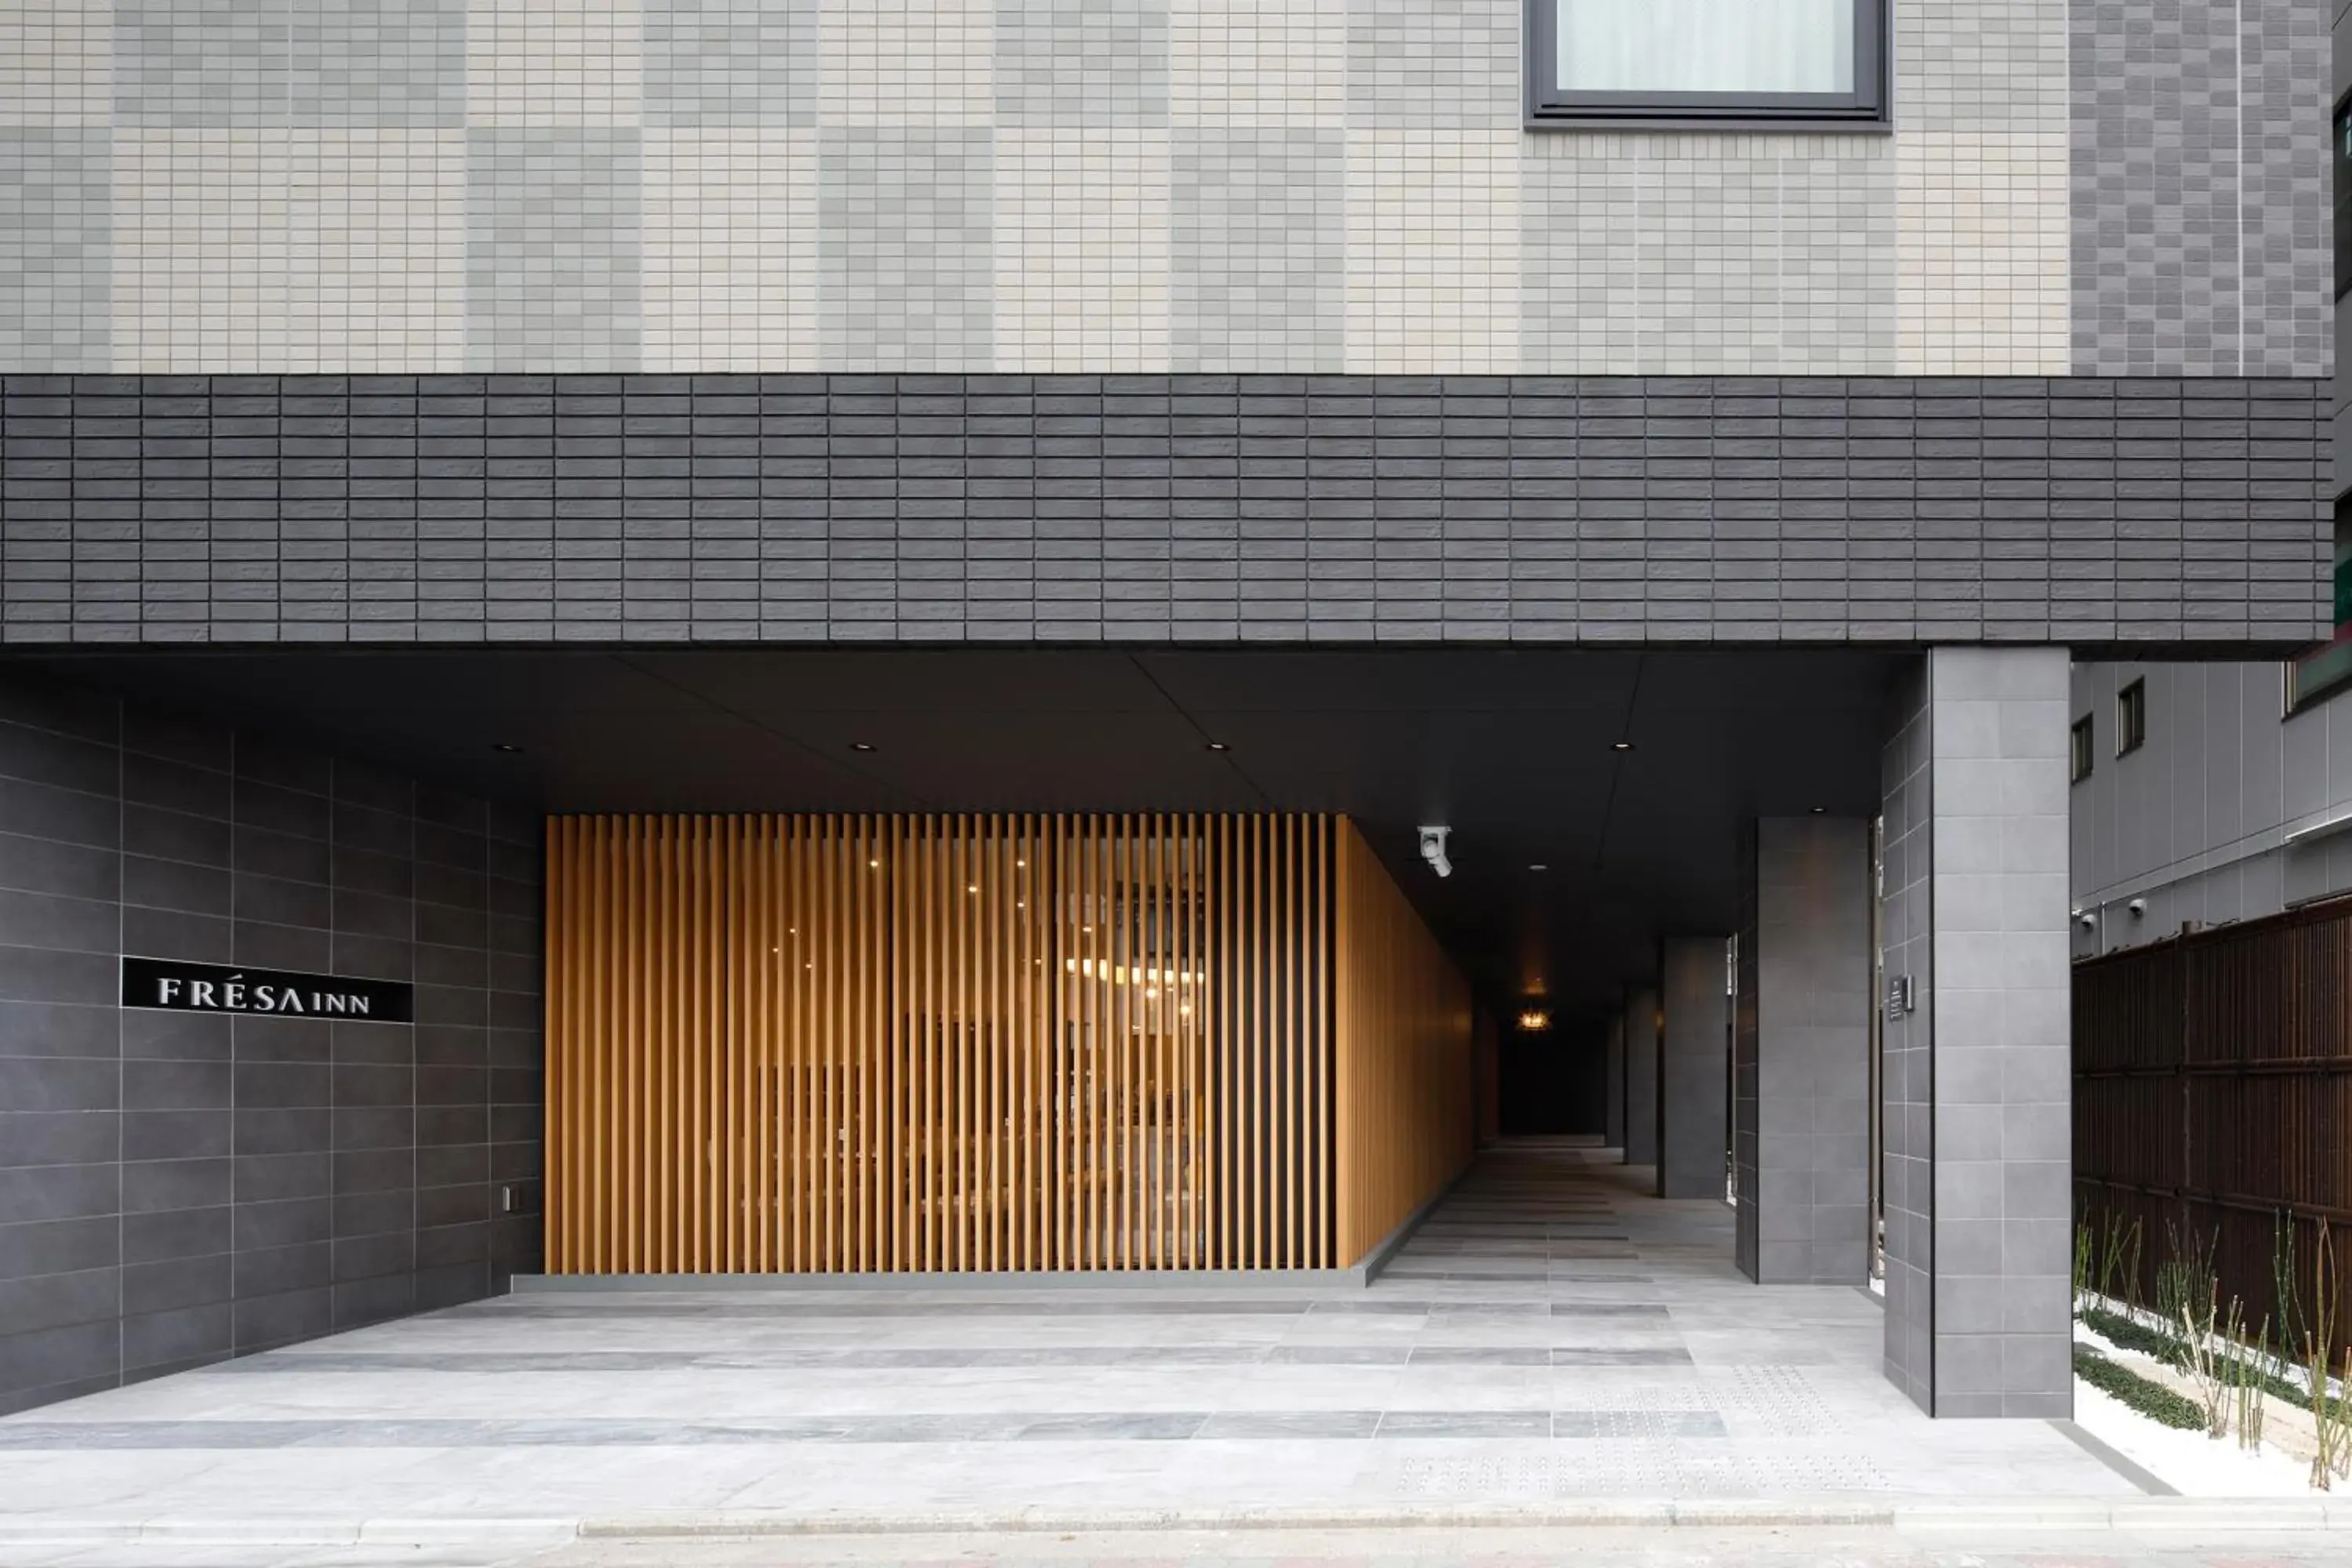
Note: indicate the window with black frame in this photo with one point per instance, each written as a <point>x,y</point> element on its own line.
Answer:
<point>1740,61</point>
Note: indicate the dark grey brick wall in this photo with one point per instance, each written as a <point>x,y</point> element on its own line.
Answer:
<point>175,1189</point>
<point>848,509</point>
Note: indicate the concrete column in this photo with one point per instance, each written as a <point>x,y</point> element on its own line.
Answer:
<point>1613,1091</point>
<point>1641,1016</point>
<point>1801,1052</point>
<point>1979,1140</point>
<point>1694,1061</point>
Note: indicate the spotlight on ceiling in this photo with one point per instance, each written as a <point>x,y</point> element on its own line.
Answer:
<point>1539,866</point>
<point>861,746</point>
<point>1433,849</point>
<point>1219,746</point>
<point>1534,1021</point>
<point>509,747</point>
<point>1621,745</point>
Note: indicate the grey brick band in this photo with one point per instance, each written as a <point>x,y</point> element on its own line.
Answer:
<point>849,509</point>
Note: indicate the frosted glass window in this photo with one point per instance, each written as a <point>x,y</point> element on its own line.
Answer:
<point>1704,46</point>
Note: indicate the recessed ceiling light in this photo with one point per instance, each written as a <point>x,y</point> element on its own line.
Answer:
<point>1621,745</point>
<point>507,747</point>
<point>1219,746</point>
<point>1539,866</point>
<point>861,746</point>
<point>1819,809</point>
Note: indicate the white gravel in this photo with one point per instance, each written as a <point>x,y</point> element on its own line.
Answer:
<point>2190,1462</point>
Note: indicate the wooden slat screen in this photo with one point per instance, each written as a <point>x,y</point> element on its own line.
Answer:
<point>2213,1091</point>
<point>948,1043</point>
<point>1407,1080</point>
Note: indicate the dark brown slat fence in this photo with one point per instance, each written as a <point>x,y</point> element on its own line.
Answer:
<point>2213,1091</point>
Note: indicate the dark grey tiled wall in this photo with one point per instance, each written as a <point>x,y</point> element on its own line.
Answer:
<point>1693,1052</point>
<point>1977,1079</point>
<point>1801,1052</point>
<point>1641,1075</point>
<point>847,509</point>
<point>176,1189</point>
<point>1908,1040</point>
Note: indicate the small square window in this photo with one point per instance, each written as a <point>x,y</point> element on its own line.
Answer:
<point>2080,757</point>
<point>1807,61</point>
<point>2131,718</point>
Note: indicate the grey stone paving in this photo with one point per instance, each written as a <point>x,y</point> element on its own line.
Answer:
<point>1499,1362</point>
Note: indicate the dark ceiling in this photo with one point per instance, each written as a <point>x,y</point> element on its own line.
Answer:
<point>1512,749</point>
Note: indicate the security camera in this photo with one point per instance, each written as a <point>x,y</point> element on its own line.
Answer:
<point>1433,849</point>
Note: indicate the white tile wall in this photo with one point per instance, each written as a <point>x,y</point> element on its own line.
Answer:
<point>1982,286</point>
<point>295,252</point>
<point>1258,62</point>
<point>1081,245</point>
<point>730,246</point>
<point>56,62</point>
<point>908,62</point>
<point>554,62</point>
<point>1433,252</point>
<point>1469,244</point>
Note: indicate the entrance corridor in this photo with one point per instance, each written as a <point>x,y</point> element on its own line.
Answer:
<point>1551,1333</point>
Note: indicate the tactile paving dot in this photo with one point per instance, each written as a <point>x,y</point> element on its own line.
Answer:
<point>1617,1392</point>
<point>1772,1401</point>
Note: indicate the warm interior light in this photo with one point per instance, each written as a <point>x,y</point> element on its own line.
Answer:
<point>1535,1020</point>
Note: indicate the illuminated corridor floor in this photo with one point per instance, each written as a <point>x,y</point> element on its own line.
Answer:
<point>1552,1334</point>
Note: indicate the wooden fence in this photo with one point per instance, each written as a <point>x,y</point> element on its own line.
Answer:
<point>2213,1094</point>
<point>783,1044</point>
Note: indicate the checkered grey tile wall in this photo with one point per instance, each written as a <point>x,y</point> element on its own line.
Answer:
<point>341,186</point>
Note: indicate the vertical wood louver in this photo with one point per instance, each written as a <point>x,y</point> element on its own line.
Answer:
<point>977,1043</point>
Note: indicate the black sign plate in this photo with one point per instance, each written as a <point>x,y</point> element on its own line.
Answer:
<point>180,987</point>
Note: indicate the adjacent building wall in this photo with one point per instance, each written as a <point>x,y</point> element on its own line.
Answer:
<point>2194,824</point>
<point>175,1188</point>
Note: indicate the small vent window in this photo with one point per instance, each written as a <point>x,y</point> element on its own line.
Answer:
<point>2079,761</point>
<point>2131,718</point>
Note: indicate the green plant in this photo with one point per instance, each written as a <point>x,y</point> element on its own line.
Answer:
<point>2208,1369</point>
<point>2293,1327</point>
<point>2150,1399</point>
<point>2119,1258</point>
<point>2250,1379</point>
<point>2331,1419</point>
<point>2131,1334</point>
<point>2186,1286</point>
